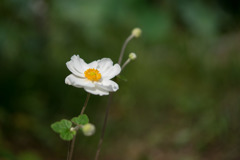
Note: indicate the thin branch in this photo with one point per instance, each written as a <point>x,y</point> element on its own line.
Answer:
<point>127,61</point>
<point>85,104</point>
<point>123,48</point>
<point>110,98</point>
<point>104,125</point>
<point>72,142</point>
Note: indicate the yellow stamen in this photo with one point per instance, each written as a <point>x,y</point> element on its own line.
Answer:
<point>92,74</point>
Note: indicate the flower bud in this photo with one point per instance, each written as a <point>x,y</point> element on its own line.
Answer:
<point>132,56</point>
<point>72,129</point>
<point>136,32</point>
<point>88,129</point>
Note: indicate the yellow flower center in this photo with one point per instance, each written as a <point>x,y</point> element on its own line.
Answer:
<point>92,74</point>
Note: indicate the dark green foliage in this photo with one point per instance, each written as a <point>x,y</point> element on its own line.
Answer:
<point>81,119</point>
<point>63,128</point>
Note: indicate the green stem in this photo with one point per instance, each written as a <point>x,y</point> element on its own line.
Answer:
<point>72,142</point>
<point>85,104</point>
<point>124,47</point>
<point>104,126</point>
<point>110,99</point>
<point>126,63</point>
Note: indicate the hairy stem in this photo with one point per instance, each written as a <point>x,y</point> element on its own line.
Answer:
<point>110,98</point>
<point>71,147</point>
<point>72,142</point>
<point>124,47</point>
<point>104,126</point>
<point>85,104</point>
<point>124,64</point>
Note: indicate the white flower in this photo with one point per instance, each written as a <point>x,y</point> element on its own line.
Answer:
<point>93,77</point>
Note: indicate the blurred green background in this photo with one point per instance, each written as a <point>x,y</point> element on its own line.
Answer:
<point>182,97</point>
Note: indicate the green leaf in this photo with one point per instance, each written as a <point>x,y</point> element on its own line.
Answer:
<point>61,126</point>
<point>81,119</point>
<point>68,135</point>
<point>123,78</point>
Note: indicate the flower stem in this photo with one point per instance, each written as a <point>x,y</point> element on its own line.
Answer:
<point>110,98</point>
<point>104,125</point>
<point>71,147</point>
<point>124,64</point>
<point>124,47</point>
<point>85,104</point>
<point>72,142</point>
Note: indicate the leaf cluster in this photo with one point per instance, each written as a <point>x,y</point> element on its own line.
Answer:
<point>65,129</point>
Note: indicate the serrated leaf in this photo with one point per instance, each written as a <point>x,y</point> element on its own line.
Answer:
<point>61,126</point>
<point>67,135</point>
<point>81,119</point>
<point>123,78</point>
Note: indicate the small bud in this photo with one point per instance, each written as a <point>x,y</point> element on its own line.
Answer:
<point>136,32</point>
<point>132,56</point>
<point>72,129</point>
<point>88,129</point>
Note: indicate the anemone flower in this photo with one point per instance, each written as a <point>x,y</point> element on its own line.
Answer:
<point>94,77</point>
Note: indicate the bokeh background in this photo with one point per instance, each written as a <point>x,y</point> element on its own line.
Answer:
<point>182,97</point>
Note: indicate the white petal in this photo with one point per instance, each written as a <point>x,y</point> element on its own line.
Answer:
<point>111,72</point>
<point>108,85</point>
<point>96,91</point>
<point>77,65</point>
<point>93,64</point>
<point>78,82</point>
<point>104,64</point>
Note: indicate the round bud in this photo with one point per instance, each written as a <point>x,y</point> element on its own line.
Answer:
<point>132,56</point>
<point>88,129</point>
<point>136,32</point>
<point>72,129</point>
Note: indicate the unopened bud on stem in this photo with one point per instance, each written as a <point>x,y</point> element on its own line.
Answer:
<point>88,129</point>
<point>72,129</point>
<point>132,56</point>
<point>136,32</point>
